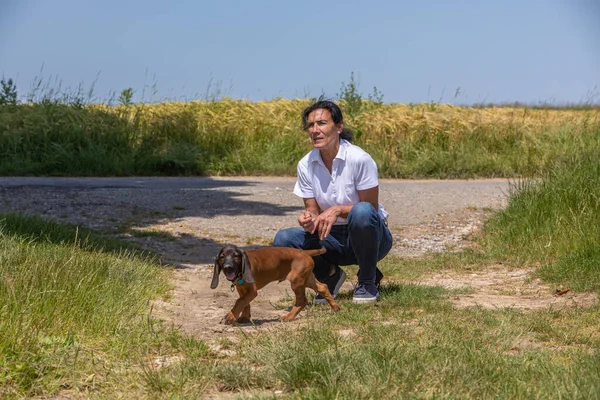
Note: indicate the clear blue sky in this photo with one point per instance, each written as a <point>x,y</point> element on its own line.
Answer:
<point>529,51</point>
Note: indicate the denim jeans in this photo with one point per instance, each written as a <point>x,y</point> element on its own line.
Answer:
<point>365,240</point>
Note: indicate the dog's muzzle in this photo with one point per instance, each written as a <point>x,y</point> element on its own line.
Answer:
<point>230,273</point>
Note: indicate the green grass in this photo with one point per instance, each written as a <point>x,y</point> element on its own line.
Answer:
<point>161,235</point>
<point>554,223</point>
<point>413,344</point>
<point>69,308</point>
<point>442,353</point>
<point>413,268</point>
<point>36,229</point>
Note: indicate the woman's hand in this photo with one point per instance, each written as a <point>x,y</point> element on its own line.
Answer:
<point>325,221</point>
<point>307,221</point>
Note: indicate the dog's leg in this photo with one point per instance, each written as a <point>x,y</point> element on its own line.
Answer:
<point>321,288</point>
<point>245,317</point>
<point>242,291</point>
<point>299,290</point>
<point>247,293</point>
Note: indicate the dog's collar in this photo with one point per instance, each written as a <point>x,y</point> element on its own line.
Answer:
<point>239,279</point>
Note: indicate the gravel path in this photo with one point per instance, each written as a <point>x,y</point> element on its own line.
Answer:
<point>204,213</point>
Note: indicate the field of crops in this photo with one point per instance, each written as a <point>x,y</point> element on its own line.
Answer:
<point>236,137</point>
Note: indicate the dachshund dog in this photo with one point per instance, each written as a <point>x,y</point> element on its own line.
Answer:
<point>251,270</point>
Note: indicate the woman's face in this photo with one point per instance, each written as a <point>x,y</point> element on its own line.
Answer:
<point>323,132</point>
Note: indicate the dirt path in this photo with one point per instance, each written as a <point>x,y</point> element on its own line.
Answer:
<point>187,220</point>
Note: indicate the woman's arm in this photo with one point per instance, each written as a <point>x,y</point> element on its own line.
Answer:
<point>327,218</point>
<point>311,206</point>
<point>371,196</point>
<point>309,216</point>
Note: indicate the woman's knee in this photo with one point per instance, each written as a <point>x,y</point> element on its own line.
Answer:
<point>287,238</point>
<point>362,214</point>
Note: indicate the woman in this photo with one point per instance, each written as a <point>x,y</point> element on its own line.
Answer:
<point>339,184</point>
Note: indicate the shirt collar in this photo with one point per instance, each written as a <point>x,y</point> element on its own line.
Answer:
<point>315,155</point>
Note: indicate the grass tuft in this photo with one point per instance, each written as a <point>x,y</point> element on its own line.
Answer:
<point>554,223</point>
<point>69,307</point>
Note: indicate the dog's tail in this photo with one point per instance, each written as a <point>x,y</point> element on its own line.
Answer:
<point>314,253</point>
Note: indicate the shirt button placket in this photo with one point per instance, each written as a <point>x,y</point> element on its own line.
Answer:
<point>333,176</point>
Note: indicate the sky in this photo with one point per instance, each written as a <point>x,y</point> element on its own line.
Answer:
<point>459,52</point>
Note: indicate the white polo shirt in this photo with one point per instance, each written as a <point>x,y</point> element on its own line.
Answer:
<point>353,169</point>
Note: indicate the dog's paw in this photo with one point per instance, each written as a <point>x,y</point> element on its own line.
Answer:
<point>228,319</point>
<point>243,320</point>
<point>287,317</point>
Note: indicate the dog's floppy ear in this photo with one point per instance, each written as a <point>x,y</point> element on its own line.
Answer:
<point>217,270</point>
<point>246,271</point>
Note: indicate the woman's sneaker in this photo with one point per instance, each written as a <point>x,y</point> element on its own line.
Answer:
<point>334,283</point>
<point>365,293</point>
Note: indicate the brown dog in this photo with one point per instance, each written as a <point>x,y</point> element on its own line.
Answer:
<point>251,270</point>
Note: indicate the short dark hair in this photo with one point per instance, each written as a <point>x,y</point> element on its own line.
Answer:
<point>336,116</point>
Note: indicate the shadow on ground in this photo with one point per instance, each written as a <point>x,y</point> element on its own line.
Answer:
<point>186,220</point>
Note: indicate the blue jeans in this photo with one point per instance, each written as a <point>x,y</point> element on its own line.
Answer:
<point>365,240</point>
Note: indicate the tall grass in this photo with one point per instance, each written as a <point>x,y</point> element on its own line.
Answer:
<point>447,141</point>
<point>68,308</point>
<point>555,223</point>
<point>235,137</point>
